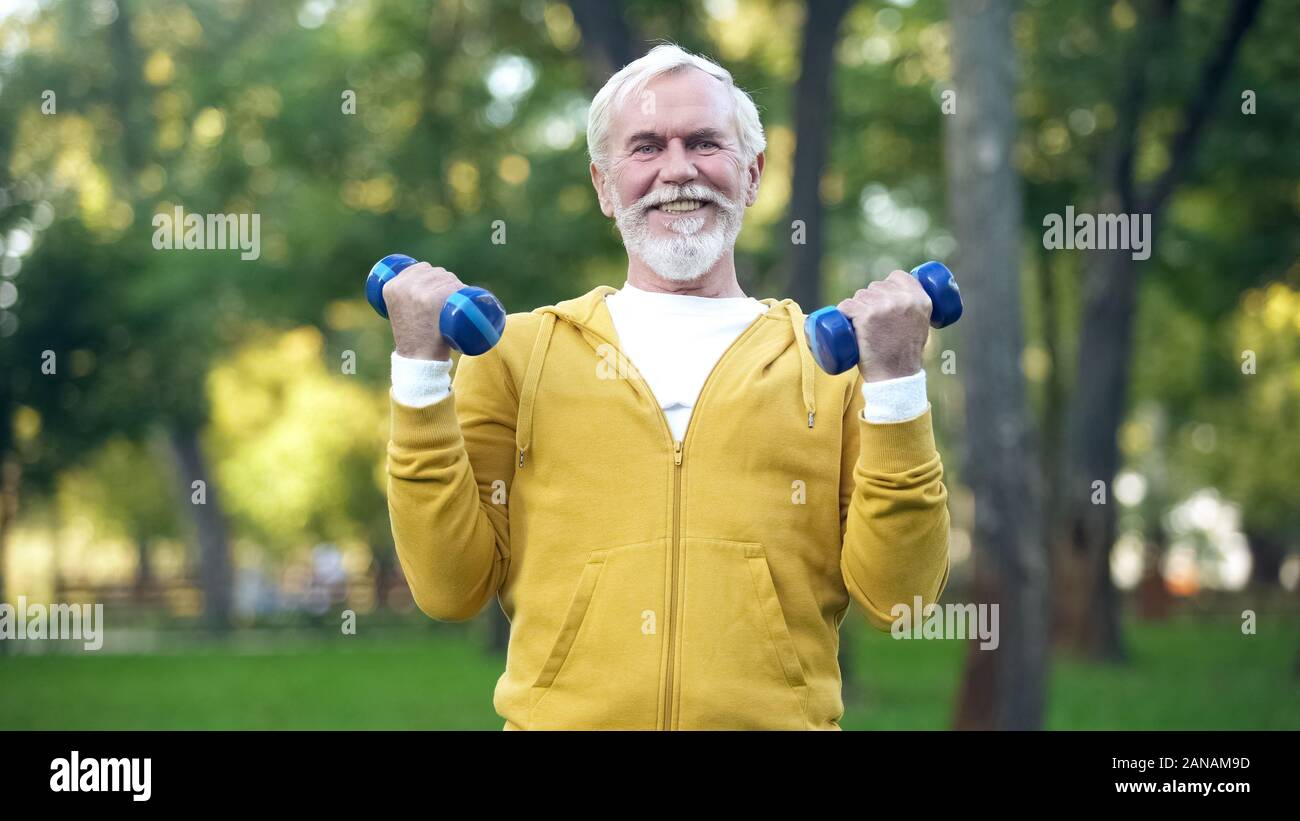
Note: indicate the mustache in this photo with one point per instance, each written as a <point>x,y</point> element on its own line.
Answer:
<point>682,192</point>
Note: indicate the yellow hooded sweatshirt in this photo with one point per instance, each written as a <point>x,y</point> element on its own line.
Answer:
<point>652,583</point>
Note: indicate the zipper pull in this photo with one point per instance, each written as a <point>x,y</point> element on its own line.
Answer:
<point>677,453</point>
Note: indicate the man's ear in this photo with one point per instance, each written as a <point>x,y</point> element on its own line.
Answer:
<point>598,180</point>
<point>755,175</point>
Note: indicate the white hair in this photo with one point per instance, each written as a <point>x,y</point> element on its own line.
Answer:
<point>660,60</point>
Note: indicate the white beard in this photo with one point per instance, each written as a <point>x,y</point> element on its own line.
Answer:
<point>691,254</point>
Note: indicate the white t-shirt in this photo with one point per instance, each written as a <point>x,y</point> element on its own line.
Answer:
<point>673,341</point>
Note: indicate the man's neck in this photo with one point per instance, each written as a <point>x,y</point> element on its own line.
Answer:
<point>718,281</point>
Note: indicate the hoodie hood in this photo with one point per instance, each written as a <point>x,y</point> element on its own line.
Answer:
<point>588,314</point>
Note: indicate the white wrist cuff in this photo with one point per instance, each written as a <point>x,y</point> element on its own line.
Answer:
<point>895,400</point>
<point>418,383</point>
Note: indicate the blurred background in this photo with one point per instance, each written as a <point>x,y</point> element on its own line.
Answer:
<point>196,440</point>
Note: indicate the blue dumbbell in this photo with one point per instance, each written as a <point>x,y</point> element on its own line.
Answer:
<point>830,334</point>
<point>471,321</point>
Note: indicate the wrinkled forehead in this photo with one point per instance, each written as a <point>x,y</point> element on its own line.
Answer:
<point>679,104</point>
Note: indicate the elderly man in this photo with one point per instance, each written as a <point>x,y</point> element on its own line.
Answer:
<point>672,504</point>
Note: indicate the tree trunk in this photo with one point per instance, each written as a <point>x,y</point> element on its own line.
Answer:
<point>607,39</point>
<point>498,630</point>
<point>977,699</point>
<point>812,115</point>
<point>1005,686</point>
<point>215,573</point>
<point>1087,614</point>
<point>1267,552</point>
<point>127,89</point>
<point>1051,440</point>
<point>385,572</point>
<point>851,690</point>
<point>143,569</point>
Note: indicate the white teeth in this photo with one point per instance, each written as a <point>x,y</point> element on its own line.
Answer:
<point>680,206</point>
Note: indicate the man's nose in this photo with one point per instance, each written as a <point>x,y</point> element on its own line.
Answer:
<point>677,167</point>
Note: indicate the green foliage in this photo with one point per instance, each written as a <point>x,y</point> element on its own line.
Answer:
<point>124,488</point>
<point>1245,442</point>
<point>295,445</point>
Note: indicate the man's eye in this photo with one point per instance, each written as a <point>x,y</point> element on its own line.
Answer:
<point>706,144</point>
<point>640,148</point>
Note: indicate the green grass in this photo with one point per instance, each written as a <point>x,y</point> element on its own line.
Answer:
<point>1188,674</point>
<point>428,681</point>
<point>1193,673</point>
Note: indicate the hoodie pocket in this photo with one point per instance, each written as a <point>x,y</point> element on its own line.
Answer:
<point>572,620</point>
<point>602,668</point>
<point>739,666</point>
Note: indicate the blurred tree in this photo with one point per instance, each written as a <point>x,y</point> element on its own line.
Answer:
<point>295,443</point>
<point>607,38</point>
<point>813,118</point>
<point>1245,443</point>
<point>1087,618</point>
<point>122,487</point>
<point>1004,688</point>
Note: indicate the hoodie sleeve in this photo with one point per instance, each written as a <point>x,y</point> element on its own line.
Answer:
<point>450,465</point>
<point>893,513</point>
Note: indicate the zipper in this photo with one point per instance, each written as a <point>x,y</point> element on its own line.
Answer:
<point>672,580</point>
<point>679,448</point>
<point>678,455</point>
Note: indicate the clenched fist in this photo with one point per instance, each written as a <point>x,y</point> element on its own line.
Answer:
<point>891,318</point>
<point>414,299</point>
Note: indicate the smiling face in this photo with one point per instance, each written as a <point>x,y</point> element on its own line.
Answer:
<point>677,184</point>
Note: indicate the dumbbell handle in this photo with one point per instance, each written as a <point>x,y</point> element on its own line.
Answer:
<point>471,321</point>
<point>834,344</point>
